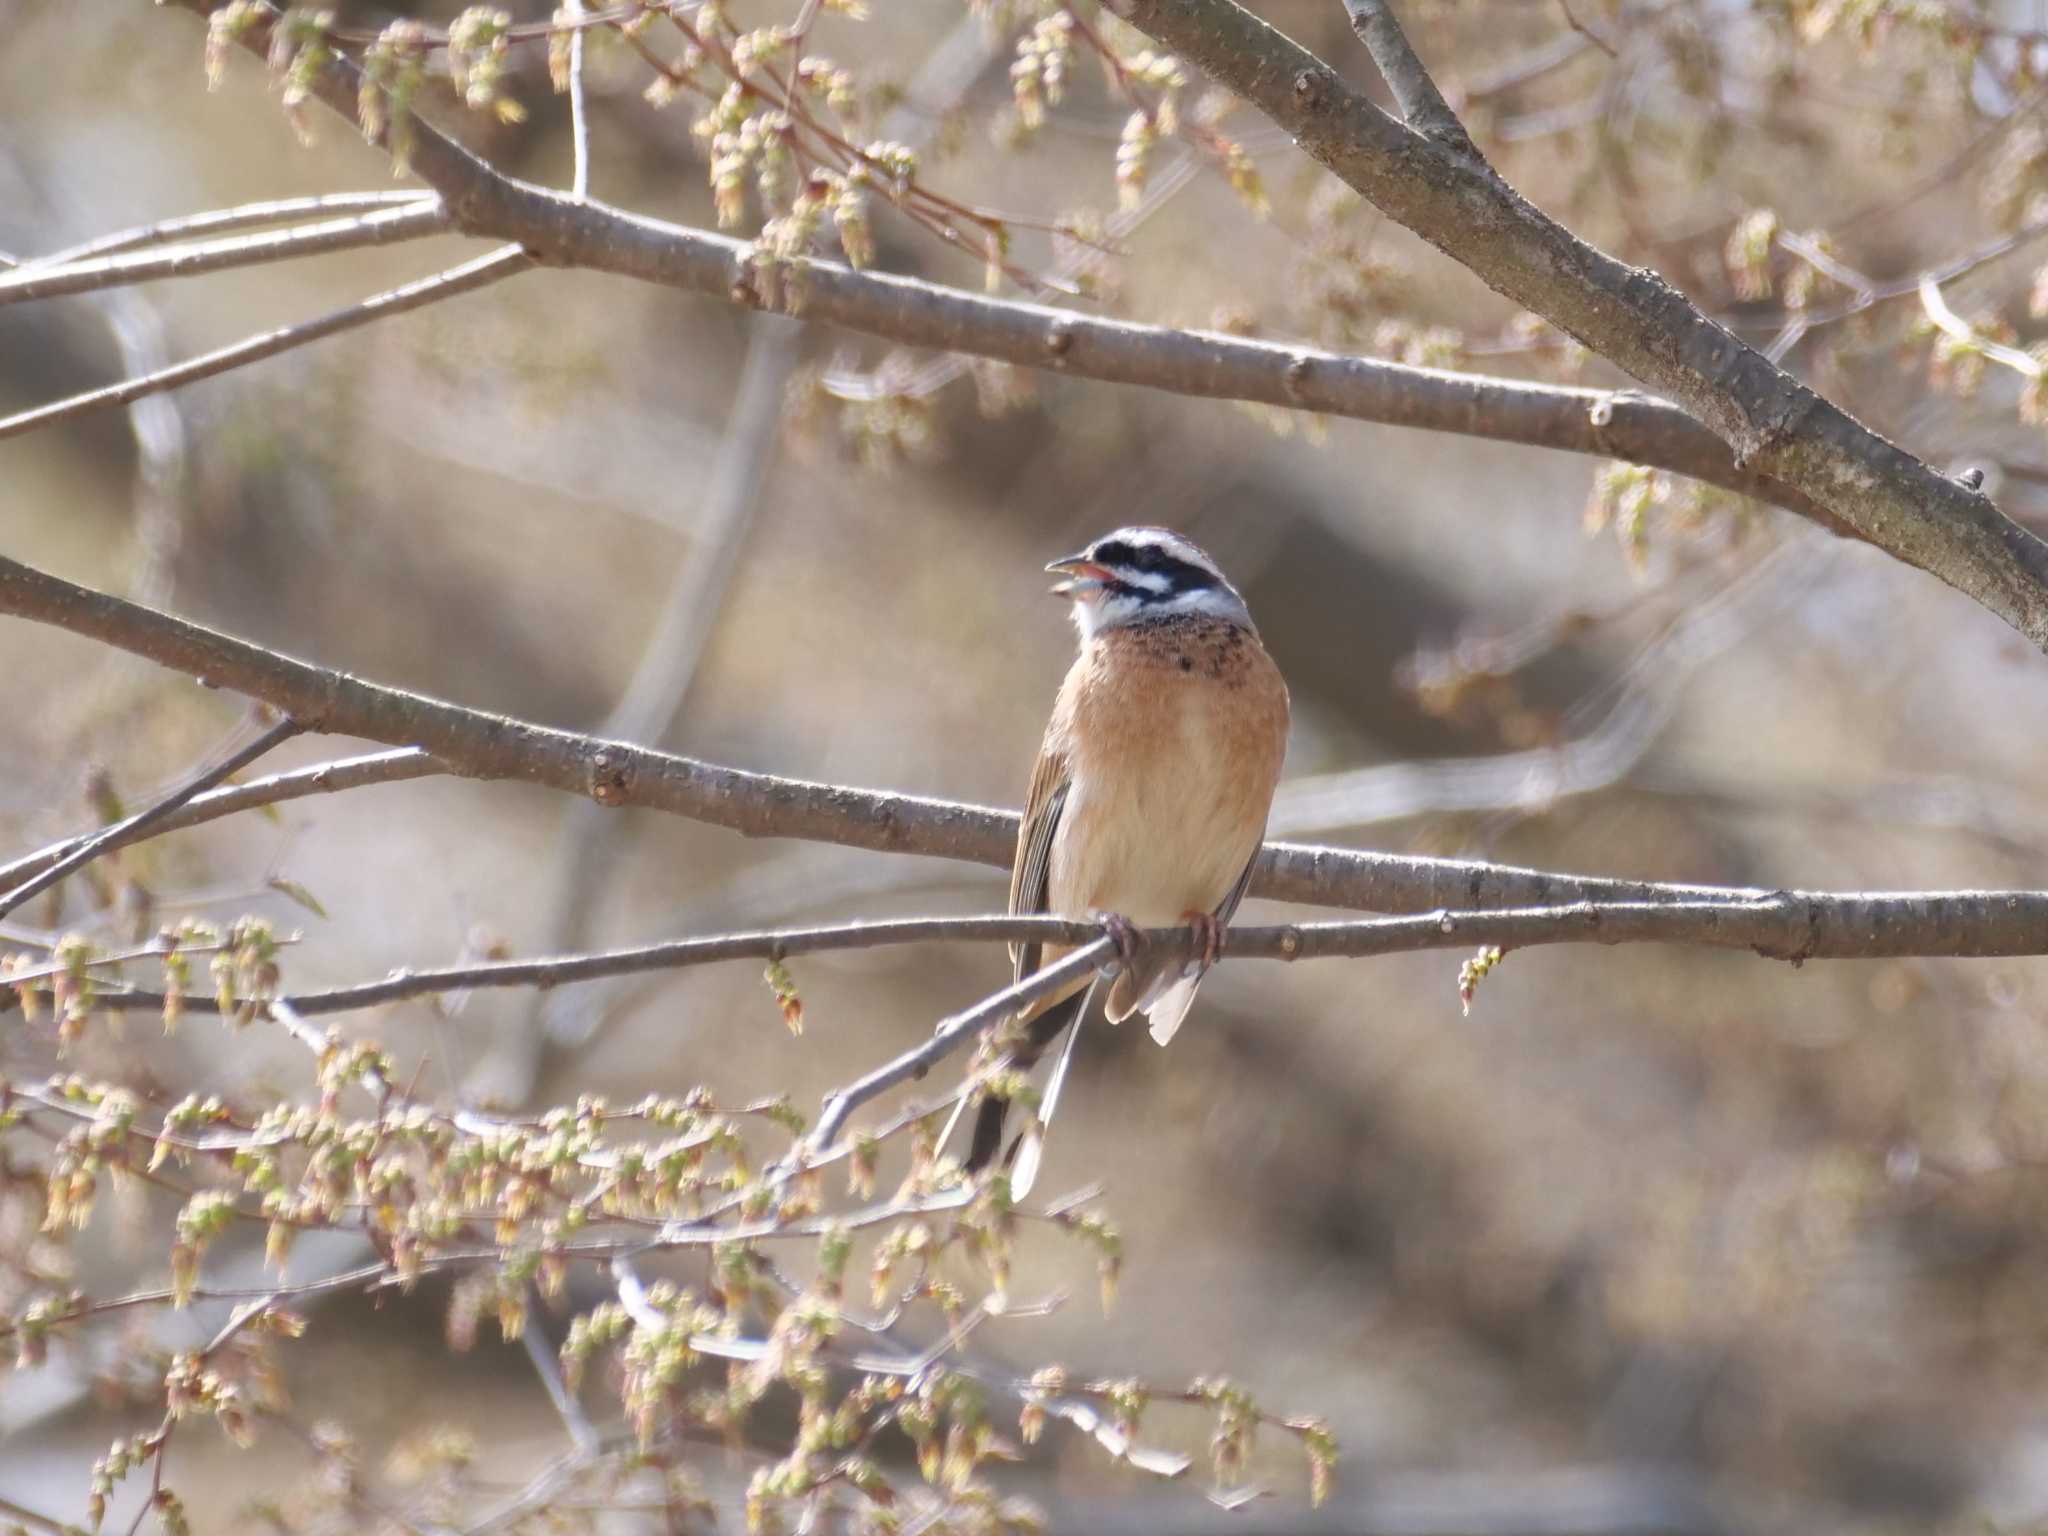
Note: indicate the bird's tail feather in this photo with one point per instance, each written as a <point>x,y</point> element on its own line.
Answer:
<point>1025,1150</point>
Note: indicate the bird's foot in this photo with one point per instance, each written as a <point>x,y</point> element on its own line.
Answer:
<point>1123,934</point>
<point>1206,930</point>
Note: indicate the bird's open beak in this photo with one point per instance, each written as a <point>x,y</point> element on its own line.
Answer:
<point>1085,577</point>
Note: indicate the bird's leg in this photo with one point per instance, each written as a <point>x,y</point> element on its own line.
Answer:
<point>1123,935</point>
<point>1206,929</point>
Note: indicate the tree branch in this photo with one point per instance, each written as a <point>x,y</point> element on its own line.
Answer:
<point>1794,926</point>
<point>1415,93</point>
<point>138,825</point>
<point>241,216</point>
<point>478,745</point>
<point>45,280</point>
<point>471,275</point>
<point>273,789</point>
<point>955,1032</point>
<point>588,233</point>
<point>1631,316</point>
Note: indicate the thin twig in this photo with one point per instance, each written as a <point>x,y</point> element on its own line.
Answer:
<point>29,1517</point>
<point>1585,31</point>
<point>579,118</point>
<point>1780,925</point>
<point>242,216</point>
<point>40,280</point>
<point>548,1366</point>
<point>953,1033</point>
<point>147,817</point>
<point>465,278</point>
<point>392,767</point>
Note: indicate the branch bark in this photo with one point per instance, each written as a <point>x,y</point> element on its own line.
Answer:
<point>1775,425</point>
<point>477,745</point>
<point>1794,926</point>
<point>477,273</point>
<point>564,231</point>
<point>48,280</point>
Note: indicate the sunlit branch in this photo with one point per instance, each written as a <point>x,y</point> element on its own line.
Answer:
<point>46,280</point>
<point>465,278</point>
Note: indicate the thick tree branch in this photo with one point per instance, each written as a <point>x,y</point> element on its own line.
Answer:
<point>1630,316</point>
<point>477,745</point>
<point>566,231</point>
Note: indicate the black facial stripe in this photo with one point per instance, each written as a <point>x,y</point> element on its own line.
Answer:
<point>1181,575</point>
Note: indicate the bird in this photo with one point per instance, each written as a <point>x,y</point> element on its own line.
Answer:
<point>1148,802</point>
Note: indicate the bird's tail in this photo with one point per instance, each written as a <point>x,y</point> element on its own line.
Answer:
<point>1025,1149</point>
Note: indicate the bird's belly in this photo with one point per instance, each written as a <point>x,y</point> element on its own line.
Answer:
<point>1165,834</point>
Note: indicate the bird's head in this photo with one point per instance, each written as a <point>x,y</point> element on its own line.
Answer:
<point>1138,574</point>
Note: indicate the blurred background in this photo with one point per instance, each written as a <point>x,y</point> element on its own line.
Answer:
<point>1655,1240</point>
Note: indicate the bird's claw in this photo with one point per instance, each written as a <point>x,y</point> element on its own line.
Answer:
<point>1206,930</point>
<point>1123,935</point>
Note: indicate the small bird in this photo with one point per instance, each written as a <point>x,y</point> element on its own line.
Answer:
<point>1148,802</point>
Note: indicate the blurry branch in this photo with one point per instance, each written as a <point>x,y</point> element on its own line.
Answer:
<point>1642,701</point>
<point>1866,292</point>
<point>136,327</point>
<point>579,114</point>
<point>134,827</point>
<point>465,278</point>
<point>242,216</point>
<point>48,280</point>
<point>478,745</point>
<point>1953,326</point>
<point>33,1521</point>
<point>1545,58</point>
<point>1423,176</point>
<point>1571,20</point>
<point>563,231</point>
<point>274,789</point>
<point>586,844</point>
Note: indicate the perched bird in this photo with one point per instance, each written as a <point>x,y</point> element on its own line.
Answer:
<point>1148,802</point>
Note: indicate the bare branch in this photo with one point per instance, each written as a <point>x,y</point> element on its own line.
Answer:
<point>579,117</point>
<point>241,216</point>
<point>1607,423</point>
<point>135,826</point>
<point>1632,317</point>
<point>471,275</point>
<point>1779,925</point>
<point>1415,93</point>
<point>43,280</point>
<point>275,789</point>
<point>485,746</point>
<point>955,1032</point>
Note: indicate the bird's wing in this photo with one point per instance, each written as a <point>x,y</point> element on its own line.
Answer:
<point>1031,875</point>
